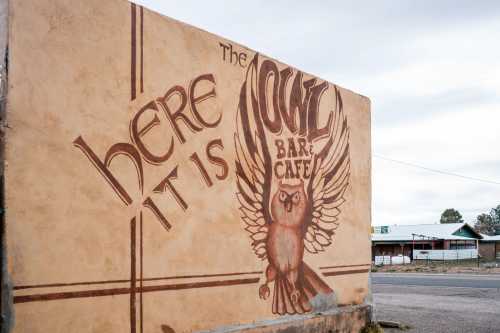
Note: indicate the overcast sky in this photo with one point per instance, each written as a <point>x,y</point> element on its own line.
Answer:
<point>430,68</point>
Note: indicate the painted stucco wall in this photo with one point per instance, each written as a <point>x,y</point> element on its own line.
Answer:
<point>159,177</point>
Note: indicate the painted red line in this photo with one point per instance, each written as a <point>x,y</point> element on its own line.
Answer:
<point>52,285</point>
<point>87,283</point>
<point>142,48</point>
<point>133,321</point>
<point>123,291</point>
<point>133,65</point>
<point>354,271</point>
<point>141,273</point>
<point>202,276</point>
<point>344,266</point>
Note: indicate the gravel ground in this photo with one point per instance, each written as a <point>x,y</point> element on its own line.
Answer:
<point>439,309</point>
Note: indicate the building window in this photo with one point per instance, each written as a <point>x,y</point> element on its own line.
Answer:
<point>462,245</point>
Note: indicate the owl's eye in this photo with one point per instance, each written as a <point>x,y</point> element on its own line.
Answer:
<point>296,198</point>
<point>283,196</point>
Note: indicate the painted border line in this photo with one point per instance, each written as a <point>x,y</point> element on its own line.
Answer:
<point>87,283</point>
<point>345,266</point>
<point>154,288</point>
<point>347,272</point>
<point>123,291</point>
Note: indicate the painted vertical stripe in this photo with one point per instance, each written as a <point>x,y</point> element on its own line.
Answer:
<point>133,52</point>
<point>132,276</point>
<point>142,49</point>
<point>141,275</point>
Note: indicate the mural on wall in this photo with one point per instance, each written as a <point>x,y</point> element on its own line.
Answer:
<point>160,220</point>
<point>292,174</point>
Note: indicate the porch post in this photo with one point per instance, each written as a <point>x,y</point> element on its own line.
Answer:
<point>413,246</point>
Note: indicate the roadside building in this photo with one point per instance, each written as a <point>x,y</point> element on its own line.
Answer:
<point>397,240</point>
<point>489,247</point>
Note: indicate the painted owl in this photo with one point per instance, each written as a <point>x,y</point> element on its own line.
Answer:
<point>300,215</point>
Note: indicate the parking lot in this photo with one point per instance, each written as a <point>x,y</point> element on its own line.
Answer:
<point>438,302</point>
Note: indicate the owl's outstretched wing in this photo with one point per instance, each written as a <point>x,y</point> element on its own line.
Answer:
<point>328,183</point>
<point>253,165</point>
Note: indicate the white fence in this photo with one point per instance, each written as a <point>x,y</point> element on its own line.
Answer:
<point>445,254</point>
<point>392,260</point>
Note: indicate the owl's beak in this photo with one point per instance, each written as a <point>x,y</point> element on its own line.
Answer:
<point>288,205</point>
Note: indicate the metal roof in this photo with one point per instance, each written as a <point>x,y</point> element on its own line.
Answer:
<point>422,231</point>
<point>487,238</point>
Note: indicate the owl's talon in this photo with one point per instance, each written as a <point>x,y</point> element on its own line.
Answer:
<point>264,291</point>
<point>295,296</point>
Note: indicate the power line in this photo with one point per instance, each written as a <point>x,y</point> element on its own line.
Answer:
<point>435,170</point>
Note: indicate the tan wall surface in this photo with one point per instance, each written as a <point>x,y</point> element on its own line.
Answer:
<point>146,162</point>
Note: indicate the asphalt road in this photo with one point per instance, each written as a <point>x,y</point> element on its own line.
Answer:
<point>438,302</point>
<point>438,280</point>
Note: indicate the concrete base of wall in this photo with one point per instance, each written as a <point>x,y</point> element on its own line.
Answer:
<point>339,320</point>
